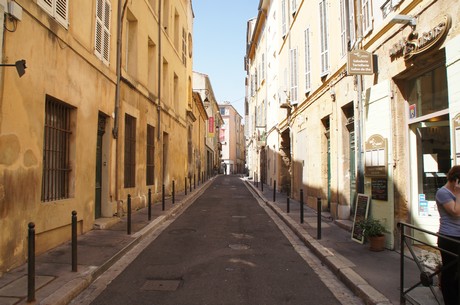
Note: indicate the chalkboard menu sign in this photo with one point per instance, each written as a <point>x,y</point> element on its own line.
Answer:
<point>379,188</point>
<point>362,208</point>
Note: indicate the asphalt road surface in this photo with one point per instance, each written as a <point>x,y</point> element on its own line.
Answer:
<point>224,249</point>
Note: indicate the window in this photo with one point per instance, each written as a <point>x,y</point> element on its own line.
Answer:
<point>152,67</point>
<point>351,22</point>
<point>307,61</point>
<point>367,16</point>
<point>150,176</point>
<point>184,47</point>
<point>130,151</point>
<point>176,30</point>
<point>58,9</point>
<point>293,66</point>
<point>324,39</point>
<point>131,45</point>
<point>56,151</point>
<point>343,28</point>
<point>283,18</point>
<point>262,68</point>
<point>293,7</point>
<point>102,36</point>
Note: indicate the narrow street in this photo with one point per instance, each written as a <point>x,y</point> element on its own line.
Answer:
<point>224,249</point>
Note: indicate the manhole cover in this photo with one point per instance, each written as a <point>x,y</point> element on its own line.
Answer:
<point>239,246</point>
<point>161,285</point>
<point>181,231</point>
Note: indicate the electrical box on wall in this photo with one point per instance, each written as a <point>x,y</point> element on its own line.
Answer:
<point>15,10</point>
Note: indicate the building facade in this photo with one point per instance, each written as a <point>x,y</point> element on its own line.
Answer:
<point>364,105</point>
<point>105,101</point>
<point>231,137</point>
<point>202,85</point>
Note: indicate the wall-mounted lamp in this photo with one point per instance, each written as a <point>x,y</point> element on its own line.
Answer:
<point>206,100</point>
<point>404,19</point>
<point>20,66</point>
<point>332,93</point>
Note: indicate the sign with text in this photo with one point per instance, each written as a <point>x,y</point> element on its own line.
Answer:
<point>362,208</point>
<point>360,62</point>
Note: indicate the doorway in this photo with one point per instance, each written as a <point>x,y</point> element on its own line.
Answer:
<point>99,163</point>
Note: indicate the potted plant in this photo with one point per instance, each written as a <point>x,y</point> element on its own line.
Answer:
<point>373,230</point>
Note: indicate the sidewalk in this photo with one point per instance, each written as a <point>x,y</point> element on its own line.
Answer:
<point>373,276</point>
<point>56,284</point>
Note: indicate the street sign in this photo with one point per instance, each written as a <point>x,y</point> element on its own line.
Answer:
<point>360,62</point>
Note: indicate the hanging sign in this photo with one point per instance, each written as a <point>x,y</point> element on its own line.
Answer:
<point>360,62</point>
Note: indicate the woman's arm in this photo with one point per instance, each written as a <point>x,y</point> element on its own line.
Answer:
<point>452,208</point>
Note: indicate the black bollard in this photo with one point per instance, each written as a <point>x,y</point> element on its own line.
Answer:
<point>262,185</point>
<point>274,190</point>
<point>150,204</point>
<point>301,206</point>
<point>163,198</point>
<point>31,264</point>
<point>319,208</point>
<point>74,242</point>
<point>287,205</point>
<point>185,186</point>
<point>129,214</point>
<point>190,184</point>
<point>173,191</point>
<point>194,184</point>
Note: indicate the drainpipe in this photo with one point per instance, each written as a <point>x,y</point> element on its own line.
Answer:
<point>160,54</point>
<point>116,118</point>
<point>359,124</point>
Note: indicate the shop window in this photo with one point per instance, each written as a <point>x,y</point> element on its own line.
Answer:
<point>427,93</point>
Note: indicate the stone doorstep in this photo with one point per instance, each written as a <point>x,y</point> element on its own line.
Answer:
<point>105,223</point>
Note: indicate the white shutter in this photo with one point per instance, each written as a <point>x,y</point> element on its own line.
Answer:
<point>47,5</point>
<point>102,31</point>
<point>61,12</point>
<point>307,61</point>
<point>293,58</point>
<point>99,29</point>
<point>107,15</point>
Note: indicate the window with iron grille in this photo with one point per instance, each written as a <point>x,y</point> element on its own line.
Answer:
<point>150,155</point>
<point>56,144</point>
<point>130,151</point>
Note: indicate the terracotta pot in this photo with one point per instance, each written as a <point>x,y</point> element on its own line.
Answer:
<point>377,243</point>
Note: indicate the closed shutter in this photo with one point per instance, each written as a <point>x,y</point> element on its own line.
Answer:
<point>102,31</point>
<point>61,12</point>
<point>47,5</point>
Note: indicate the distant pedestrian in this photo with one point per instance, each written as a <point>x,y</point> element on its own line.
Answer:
<point>448,202</point>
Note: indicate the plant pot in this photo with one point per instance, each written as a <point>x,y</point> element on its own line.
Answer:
<point>377,243</point>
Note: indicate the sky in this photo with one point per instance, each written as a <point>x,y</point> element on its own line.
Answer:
<point>219,46</point>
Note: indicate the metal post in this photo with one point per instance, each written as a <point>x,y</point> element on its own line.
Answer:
<point>31,264</point>
<point>74,242</point>
<point>287,205</point>
<point>173,192</point>
<point>163,197</point>
<point>319,208</point>
<point>274,190</point>
<point>190,184</point>
<point>401,265</point>
<point>262,185</point>
<point>185,186</point>
<point>129,214</point>
<point>150,204</point>
<point>301,206</point>
<point>194,182</point>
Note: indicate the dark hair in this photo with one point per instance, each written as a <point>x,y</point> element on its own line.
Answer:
<point>454,173</point>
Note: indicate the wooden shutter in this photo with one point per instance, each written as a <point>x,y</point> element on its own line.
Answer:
<point>61,12</point>
<point>102,31</point>
<point>47,5</point>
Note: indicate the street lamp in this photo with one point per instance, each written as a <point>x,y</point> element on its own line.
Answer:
<point>20,66</point>
<point>206,100</point>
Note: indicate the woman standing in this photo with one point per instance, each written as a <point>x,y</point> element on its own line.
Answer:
<point>449,225</point>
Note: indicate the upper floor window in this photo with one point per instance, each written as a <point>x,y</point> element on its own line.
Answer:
<point>293,7</point>
<point>343,28</point>
<point>307,61</point>
<point>293,66</point>
<point>102,35</point>
<point>324,38</point>
<point>184,46</point>
<point>351,22</point>
<point>58,9</point>
<point>367,16</point>
<point>283,18</point>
